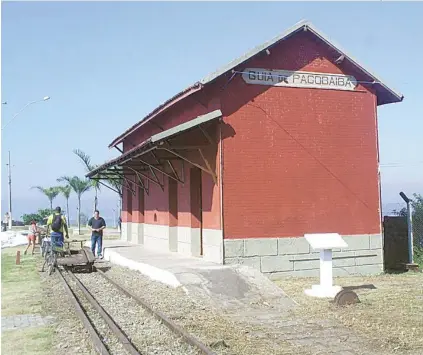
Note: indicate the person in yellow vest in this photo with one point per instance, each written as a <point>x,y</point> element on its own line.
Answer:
<point>57,223</point>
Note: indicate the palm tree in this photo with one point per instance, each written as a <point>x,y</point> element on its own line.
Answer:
<point>50,192</point>
<point>79,186</point>
<point>86,160</point>
<point>116,183</point>
<point>66,191</point>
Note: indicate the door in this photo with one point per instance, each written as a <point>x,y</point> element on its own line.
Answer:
<point>196,212</point>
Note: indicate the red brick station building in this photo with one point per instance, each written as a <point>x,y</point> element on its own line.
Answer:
<point>236,168</point>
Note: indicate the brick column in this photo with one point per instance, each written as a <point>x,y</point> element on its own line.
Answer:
<point>138,217</point>
<point>126,214</point>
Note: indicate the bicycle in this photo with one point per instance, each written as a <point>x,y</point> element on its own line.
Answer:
<point>51,255</point>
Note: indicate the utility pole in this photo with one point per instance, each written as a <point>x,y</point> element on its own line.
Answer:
<point>114,218</point>
<point>10,193</point>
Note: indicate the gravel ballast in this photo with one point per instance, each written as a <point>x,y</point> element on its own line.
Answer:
<point>106,335</point>
<point>71,338</point>
<point>199,317</point>
<point>147,333</point>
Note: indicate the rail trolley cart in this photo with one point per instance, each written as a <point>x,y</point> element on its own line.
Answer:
<point>81,260</point>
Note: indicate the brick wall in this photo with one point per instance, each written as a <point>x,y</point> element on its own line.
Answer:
<point>126,205</point>
<point>156,203</point>
<point>295,160</point>
<point>301,160</point>
<point>181,112</point>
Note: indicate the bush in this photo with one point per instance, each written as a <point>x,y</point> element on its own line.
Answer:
<point>37,217</point>
<point>418,256</point>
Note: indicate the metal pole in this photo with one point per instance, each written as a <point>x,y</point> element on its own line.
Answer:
<point>10,167</point>
<point>119,205</point>
<point>23,108</point>
<point>410,226</point>
<point>114,217</point>
<point>410,232</point>
<point>10,193</point>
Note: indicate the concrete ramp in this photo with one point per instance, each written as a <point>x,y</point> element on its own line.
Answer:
<point>234,286</point>
<point>228,285</point>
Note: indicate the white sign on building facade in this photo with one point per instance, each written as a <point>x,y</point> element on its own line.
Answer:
<point>299,79</point>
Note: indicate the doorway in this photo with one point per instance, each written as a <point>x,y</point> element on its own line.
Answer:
<point>196,212</point>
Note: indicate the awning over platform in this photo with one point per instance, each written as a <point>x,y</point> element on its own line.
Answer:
<point>144,159</point>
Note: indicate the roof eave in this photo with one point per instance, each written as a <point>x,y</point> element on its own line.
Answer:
<point>389,99</point>
<point>155,139</point>
<point>396,94</point>
<point>199,85</point>
<point>302,25</point>
<point>254,51</point>
<point>169,103</point>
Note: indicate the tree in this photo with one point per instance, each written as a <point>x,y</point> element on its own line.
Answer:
<point>66,191</point>
<point>79,186</point>
<point>44,213</point>
<point>39,216</point>
<point>28,218</point>
<point>86,160</point>
<point>84,219</point>
<point>50,192</point>
<point>417,204</point>
<point>116,184</point>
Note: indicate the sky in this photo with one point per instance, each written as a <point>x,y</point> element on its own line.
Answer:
<point>106,65</point>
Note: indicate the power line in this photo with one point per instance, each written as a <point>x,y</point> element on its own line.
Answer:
<point>400,164</point>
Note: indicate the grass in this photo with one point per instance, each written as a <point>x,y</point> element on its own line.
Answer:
<point>20,283</point>
<point>27,341</point>
<point>390,316</point>
<point>21,294</point>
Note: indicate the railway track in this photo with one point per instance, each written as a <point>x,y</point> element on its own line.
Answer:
<point>108,326</point>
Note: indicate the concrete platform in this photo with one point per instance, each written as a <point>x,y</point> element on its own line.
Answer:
<point>230,284</point>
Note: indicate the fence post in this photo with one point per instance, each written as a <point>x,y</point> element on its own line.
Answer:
<point>410,226</point>
<point>410,232</point>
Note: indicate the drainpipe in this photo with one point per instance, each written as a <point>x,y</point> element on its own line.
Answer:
<point>222,250</point>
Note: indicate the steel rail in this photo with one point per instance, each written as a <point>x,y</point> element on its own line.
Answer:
<point>161,317</point>
<point>98,344</point>
<point>109,320</point>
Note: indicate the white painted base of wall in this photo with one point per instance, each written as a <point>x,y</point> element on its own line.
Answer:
<point>156,237</point>
<point>213,245</point>
<point>124,231</point>
<point>183,240</point>
<point>137,233</point>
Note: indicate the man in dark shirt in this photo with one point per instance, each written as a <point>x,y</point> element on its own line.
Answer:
<point>97,225</point>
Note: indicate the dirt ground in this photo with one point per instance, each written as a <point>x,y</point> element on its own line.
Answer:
<point>390,315</point>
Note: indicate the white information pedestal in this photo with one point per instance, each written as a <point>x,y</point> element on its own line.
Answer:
<point>325,242</point>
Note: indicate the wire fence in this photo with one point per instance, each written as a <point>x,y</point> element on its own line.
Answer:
<point>417,223</point>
